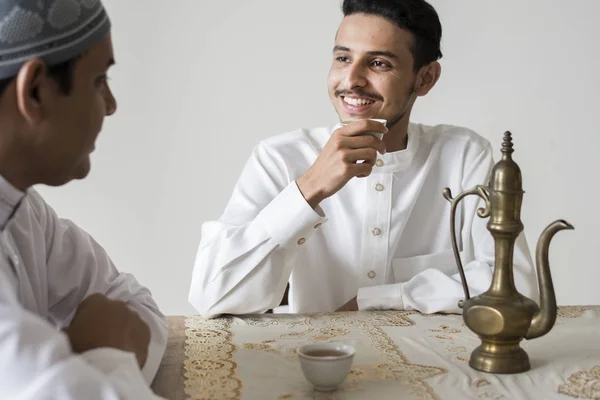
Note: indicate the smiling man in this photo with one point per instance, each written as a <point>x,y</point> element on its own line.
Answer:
<point>348,221</point>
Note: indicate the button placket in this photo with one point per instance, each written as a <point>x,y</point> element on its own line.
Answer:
<point>375,240</point>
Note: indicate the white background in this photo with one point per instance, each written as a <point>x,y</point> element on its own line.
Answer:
<point>199,83</point>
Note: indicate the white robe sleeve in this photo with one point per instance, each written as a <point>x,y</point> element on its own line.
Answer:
<point>79,267</point>
<point>36,361</point>
<point>240,265</point>
<point>431,290</point>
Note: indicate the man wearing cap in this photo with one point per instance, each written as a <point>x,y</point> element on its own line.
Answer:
<point>346,220</point>
<point>71,325</point>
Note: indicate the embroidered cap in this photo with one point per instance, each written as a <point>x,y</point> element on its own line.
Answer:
<point>53,30</point>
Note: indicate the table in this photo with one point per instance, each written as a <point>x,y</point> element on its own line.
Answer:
<point>170,380</point>
<point>400,355</point>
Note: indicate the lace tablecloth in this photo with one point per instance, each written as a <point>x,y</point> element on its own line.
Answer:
<point>400,355</point>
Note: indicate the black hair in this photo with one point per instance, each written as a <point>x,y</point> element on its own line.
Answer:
<point>415,16</point>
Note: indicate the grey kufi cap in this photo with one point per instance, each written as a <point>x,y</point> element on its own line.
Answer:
<point>53,30</point>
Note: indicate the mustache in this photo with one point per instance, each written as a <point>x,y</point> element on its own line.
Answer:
<point>358,93</point>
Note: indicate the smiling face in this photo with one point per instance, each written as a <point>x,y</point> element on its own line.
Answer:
<point>372,74</point>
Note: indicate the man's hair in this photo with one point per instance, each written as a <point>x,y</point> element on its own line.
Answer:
<point>415,16</point>
<point>62,73</point>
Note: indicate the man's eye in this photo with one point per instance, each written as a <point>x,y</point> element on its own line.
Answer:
<point>342,59</point>
<point>379,64</point>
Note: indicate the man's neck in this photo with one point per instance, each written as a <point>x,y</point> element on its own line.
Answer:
<point>15,159</point>
<point>12,169</point>
<point>396,139</point>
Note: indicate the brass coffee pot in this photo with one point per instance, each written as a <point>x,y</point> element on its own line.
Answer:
<point>501,316</point>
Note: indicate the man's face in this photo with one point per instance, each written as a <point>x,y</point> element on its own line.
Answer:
<point>371,75</point>
<point>75,120</point>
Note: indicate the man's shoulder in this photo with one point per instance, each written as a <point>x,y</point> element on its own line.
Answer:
<point>35,210</point>
<point>453,136</point>
<point>34,202</point>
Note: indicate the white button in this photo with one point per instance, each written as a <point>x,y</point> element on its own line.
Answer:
<point>376,231</point>
<point>317,226</point>
<point>379,187</point>
<point>379,162</point>
<point>372,274</point>
<point>301,241</point>
<point>15,260</point>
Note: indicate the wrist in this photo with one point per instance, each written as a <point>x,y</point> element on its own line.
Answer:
<point>310,191</point>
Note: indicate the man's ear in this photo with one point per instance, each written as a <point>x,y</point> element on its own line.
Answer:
<point>32,90</point>
<point>427,78</point>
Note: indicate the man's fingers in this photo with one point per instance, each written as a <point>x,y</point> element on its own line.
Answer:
<point>368,155</point>
<point>366,141</point>
<point>360,127</point>
<point>361,170</point>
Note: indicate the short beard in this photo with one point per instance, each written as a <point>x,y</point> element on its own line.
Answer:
<point>390,124</point>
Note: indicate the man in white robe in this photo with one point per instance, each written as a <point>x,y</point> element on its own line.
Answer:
<point>348,221</point>
<point>71,325</point>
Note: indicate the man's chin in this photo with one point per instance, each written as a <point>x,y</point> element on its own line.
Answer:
<point>82,170</point>
<point>55,178</point>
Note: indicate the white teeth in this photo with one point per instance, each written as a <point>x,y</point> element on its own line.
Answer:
<point>358,102</point>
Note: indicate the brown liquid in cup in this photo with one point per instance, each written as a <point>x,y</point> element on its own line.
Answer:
<point>325,353</point>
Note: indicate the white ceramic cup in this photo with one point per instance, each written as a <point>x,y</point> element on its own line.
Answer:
<point>326,365</point>
<point>376,134</point>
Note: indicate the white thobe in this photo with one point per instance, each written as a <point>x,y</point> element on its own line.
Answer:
<point>385,238</point>
<point>47,267</point>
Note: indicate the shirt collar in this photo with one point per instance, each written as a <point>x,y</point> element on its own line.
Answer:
<point>402,159</point>
<point>10,199</point>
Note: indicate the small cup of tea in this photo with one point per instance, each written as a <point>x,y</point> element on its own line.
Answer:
<point>326,365</point>
<point>376,134</point>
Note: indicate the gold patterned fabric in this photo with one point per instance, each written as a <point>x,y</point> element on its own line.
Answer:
<point>399,355</point>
